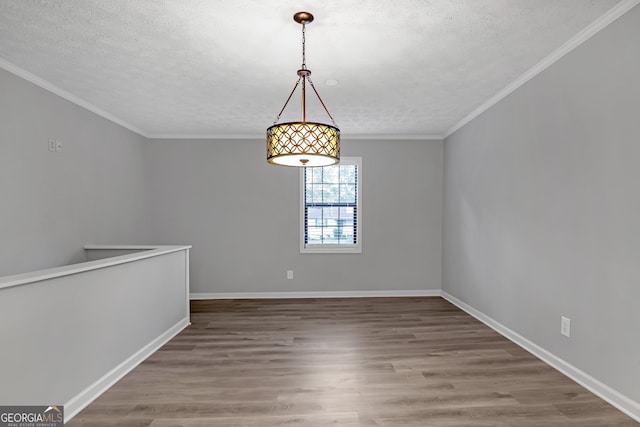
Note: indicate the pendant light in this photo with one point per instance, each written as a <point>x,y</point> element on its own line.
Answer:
<point>303,144</point>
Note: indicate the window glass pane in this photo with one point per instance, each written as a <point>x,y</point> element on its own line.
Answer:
<point>317,196</point>
<point>346,215</point>
<point>331,193</point>
<point>348,174</point>
<point>316,174</point>
<point>314,214</point>
<point>314,235</point>
<point>330,212</point>
<point>308,192</point>
<point>331,173</point>
<point>347,194</point>
<point>330,206</point>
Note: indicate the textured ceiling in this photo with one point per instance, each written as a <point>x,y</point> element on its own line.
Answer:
<point>215,68</point>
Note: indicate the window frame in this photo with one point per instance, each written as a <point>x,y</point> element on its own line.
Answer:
<point>332,248</point>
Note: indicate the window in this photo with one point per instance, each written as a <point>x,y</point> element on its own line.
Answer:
<point>330,208</point>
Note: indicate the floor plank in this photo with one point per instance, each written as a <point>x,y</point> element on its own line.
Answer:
<point>387,362</point>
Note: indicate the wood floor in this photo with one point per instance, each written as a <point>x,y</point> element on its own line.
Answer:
<point>343,362</point>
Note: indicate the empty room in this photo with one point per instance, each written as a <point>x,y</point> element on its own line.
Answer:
<point>348,213</point>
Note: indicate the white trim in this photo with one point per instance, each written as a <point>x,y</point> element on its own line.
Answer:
<point>91,393</point>
<point>187,284</point>
<point>330,249</point>
<point>205,136</point>
<point>396,137</point>
<point>318,294</point>
<point>591,30</point>
<point>612,396</point>
<point>260,136</point>
<point>126,247</point>
<point>44,84</point>
<point>68,270</point>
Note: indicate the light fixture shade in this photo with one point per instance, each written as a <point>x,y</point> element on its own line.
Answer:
<point>306,144</point>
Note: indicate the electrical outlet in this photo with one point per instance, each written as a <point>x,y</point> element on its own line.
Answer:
<point>55,145</point>
<point>565,326</point>
<point>290,274</point>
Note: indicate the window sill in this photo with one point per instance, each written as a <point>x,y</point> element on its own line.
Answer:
<point>327,249</point>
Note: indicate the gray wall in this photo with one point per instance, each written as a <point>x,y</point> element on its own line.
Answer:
<point>242,217</point>
<point>53,203</point>
<point>542,208</point>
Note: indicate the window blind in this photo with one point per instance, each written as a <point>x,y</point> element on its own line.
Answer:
<point>331,205</point>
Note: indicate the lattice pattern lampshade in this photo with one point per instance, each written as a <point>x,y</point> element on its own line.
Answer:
<point>306,144</point>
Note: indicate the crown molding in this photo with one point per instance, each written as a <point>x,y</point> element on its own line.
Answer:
<point>261,136</point>
<point>584,35</point>
<point>396,137</point>
<point>46,85</point>
<point>205,136</point>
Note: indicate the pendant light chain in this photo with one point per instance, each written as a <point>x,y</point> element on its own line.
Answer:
<point>304,50</point>
<point>302,73</point>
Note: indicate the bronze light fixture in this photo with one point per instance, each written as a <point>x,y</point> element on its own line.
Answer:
<point>303,144</point>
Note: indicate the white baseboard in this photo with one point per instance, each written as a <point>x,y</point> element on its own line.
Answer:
<point>614,397</point>
<point>91,393</point>
<point>321,294</point>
